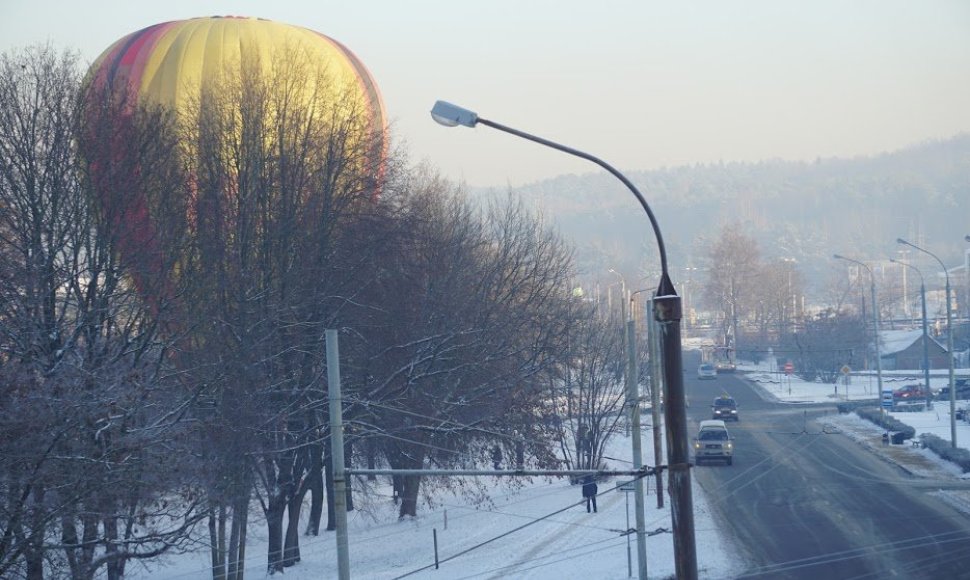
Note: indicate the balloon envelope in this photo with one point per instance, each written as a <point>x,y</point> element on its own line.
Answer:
<point>169,63</point>
<point>172,64</point>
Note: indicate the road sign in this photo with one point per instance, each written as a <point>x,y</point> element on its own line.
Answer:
<point>845,369</point>
<point>887,399</point>
<point>789,368</point>
<point>627,486</point>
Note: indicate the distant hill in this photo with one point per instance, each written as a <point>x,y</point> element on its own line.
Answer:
<point>808,211</point>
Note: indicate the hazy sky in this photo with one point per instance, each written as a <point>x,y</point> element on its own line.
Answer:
<point>641,84</point>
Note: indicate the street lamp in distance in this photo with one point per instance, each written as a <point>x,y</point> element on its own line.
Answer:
<point>926,336</point>
<point>875,316</point>
<point>949,339</point>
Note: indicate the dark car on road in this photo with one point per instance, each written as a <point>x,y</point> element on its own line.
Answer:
<point>725,408</point>
<point>962,388</point>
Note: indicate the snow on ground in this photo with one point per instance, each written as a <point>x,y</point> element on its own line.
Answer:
<point>860,385</point>
<point>534,529</point>
<point>539,529</point>
<point>936,420</point>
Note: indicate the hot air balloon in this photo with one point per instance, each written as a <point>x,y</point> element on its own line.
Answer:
<point>182,65</point>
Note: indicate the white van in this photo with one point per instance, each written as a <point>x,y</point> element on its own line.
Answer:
<point>706,371</point>
<point>713,442</point>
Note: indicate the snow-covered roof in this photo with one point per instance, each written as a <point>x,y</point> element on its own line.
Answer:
<point>893,341</point>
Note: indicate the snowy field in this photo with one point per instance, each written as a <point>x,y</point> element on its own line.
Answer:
<point>525,529</point>
<point>539,528</point>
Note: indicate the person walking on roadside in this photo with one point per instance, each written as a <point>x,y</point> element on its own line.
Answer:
<point>589,492</point>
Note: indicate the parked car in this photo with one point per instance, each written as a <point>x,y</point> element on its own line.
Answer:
<point>916,392</point>
<point>713,442</point>
<point>962,388</point>
<point>706,371</point>
<point>725,408</point>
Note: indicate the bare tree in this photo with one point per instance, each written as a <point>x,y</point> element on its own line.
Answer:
<point>776,298</point>
<point>824,343</point>
<point>282,169</point>
<point>589,394</point>
<point>91,418</point>
<point>732,278</point>
<point>468,322</point>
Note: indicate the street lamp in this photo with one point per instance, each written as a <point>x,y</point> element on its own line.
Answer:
<point>875,317</point>
<point>949,340</point>
<point>926,337</point>
<point>688,297</point>
<point>667,311</point>
<point>791,292</point>
<point>966,274</point>
<point>622,294</point>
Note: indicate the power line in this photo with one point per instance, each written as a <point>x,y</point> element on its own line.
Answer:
<point>512,531</point>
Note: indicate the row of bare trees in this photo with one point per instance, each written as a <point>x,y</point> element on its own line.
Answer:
<point>758,306</point>
<point>166,279</point>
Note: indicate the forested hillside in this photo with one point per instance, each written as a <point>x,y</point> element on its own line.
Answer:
<point>805,210</point>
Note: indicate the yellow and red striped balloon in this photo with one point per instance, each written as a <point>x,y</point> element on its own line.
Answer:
<point>171,65</point>
<point>168,63</point>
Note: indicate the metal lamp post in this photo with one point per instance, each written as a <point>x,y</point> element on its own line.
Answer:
<point>654,395</point>
<point>622,284</point>
<point>966,274</point>
<point>926,336</point>
<point>949,340</point>
<point>667,311</point>
<point>875,317</point>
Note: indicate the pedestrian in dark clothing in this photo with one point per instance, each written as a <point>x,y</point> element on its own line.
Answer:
<point>497,457</point>
<point>589,492</point>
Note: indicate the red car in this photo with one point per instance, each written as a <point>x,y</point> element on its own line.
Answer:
<point>910,393</point>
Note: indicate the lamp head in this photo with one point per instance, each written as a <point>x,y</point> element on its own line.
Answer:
<point>837,257</point>
<point>452,115</point>
<point>902,241</point>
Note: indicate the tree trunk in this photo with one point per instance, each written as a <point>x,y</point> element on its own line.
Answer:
<point>69,538</point>
<point>115,566</point>
<point>409,496</point>
<point>291,547</point>
<point>315,483</point>
<point>274,523</point>
<point>34,555</point>
<point>89,536</point>
<point>237,537</point>
<point>328,484</point>
<point>217,541</point>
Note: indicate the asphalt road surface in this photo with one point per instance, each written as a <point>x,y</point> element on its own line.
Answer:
<point>803,503</point>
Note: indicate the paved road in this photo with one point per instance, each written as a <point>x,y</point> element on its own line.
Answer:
<point>803,503</point>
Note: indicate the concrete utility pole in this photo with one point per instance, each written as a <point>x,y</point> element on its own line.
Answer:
<point>633,402</point>
<point>668,314</point>
<point>656,384</point>
<point>337,454</point>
